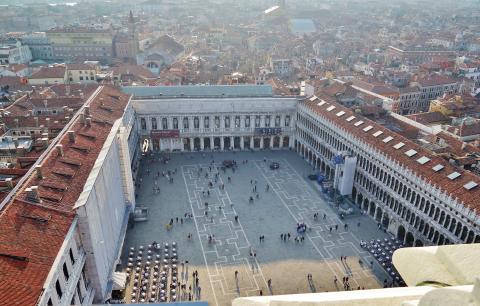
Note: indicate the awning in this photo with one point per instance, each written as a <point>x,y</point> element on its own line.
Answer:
<point>119,280</point>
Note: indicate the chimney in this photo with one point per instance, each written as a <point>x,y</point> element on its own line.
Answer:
<point>71,136</point>
<point>32,194</point>
<point>36,121</point>
<point>9,182</point>
<point>87,110</point>
<point>38,170</point>
<point>59,149</point>
<point>89,121</point>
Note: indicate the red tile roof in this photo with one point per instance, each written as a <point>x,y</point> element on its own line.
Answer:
<point>453,187</point>
<point>49,73</point>
<point>28,243</point>
<point>435,80</point>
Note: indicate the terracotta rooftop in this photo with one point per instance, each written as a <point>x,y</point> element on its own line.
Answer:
<point>435,80</point>
<point>49,73</point>
<point>387,142</point>
<point>429,117</point>
<point>31,233</point>
<point>135,70</point>
<point>80,66</point>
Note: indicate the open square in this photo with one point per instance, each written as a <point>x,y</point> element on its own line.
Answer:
<point>220,245</point>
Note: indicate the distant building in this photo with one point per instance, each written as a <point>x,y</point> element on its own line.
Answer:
<point>162,52</point>
<point>15,54</point>
<point>126,45</point>
<point>415,55</point>
<point>48,76</point>
<point>39,45</point>
<point>81,73</point>
<point>81,44</point>
<point>435,86</point>
<point>281,66</point>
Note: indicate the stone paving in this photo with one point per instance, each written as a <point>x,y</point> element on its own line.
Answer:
<point>291,198</point>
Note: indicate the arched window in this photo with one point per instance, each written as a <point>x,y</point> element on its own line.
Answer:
<point>143,123</point>
<point>175,123</point>
<point>196,123</point>
<point>185,122</point>
<point>154,123</point>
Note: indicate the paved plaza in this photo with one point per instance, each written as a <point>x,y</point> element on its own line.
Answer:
<point>290,199</point>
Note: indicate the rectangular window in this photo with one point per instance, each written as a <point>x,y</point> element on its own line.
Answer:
<point>267,121</point>
<point>65,271</point>
<point>58,288</point>
<point>185,122</point>
<point>247,121</point>
<point>227,122</point>
<point>237,121</point>
<point>196,123</point>
<point>164,123</point>
<point>287,121</point>
<point>277,121</point>
<point>206,122</point>
<point>72,258</point>
<point>257,121</point>
<point>217,122</point>
<point>175,123</point>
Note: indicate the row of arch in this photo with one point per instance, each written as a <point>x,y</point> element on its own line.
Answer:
<point>372,178</point>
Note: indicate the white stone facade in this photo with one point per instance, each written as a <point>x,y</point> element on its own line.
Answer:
<point>414,210</point>
<point>217,123</point>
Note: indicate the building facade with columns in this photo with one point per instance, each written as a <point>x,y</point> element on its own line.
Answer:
<point>415,195</point>
<point>215,118</point>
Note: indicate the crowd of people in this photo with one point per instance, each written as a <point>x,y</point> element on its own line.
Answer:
<point>211,174</point>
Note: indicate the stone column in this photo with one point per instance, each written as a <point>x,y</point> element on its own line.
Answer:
<point>232,144</point>
<point>221,143</point>
<point>211,143</point>
<point>261,143</point>
<point>271,142</point>
<point>202,144</point>
<point>241,143</point>
<point>251,142</point>
<point>191,144</point>
<point>281,142</point>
